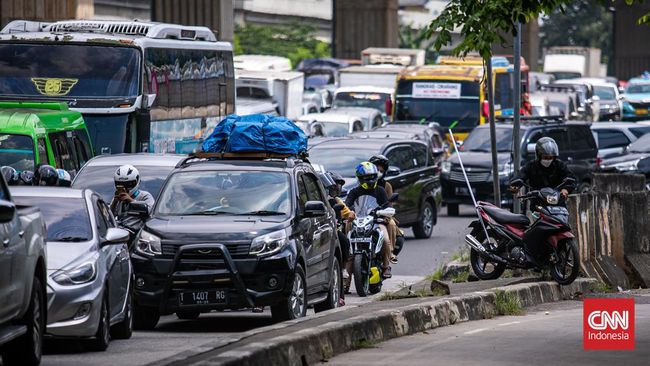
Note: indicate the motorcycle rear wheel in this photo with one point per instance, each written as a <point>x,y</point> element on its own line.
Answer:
<point>484,269</point>
<point>568,258</point>
<point>361,274</point>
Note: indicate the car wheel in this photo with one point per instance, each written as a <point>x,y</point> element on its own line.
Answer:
<point>334,292</point>
<point>424,227</point>
<point>188,315</point>
<point>27,349</point>
<point>145,317</point>
<point>124,329</point>
<point>295,305</point>
<point>103,335</point>
<point>452,209</point>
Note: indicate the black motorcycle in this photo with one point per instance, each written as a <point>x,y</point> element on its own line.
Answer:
<point>498,238</point>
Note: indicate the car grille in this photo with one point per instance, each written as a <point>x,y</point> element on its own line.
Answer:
<point>237,249</point>
<point>638,105</point>
<point>474,176</point>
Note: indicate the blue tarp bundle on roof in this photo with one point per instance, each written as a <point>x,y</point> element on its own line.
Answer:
<point>256,133</point>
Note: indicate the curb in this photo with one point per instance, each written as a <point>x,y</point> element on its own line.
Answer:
<point>314,345</point>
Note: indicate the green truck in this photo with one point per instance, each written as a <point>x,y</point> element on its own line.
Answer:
<point>33,133</point>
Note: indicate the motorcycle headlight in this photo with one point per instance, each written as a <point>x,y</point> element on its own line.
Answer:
<point>445,167</point>
<point>269,244</point>
<point>148,244</point>
<point>553,199</point>
<point>77,274</point>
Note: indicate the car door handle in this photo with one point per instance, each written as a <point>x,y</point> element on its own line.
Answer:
<point>21,233</point>
<point>5,242</point>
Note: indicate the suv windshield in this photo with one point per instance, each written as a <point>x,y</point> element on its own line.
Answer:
<point>339,161</point>
<point>360,99</point>
<point>479,140</point>
<point>226,193</point>
<point>638,88</point>
<point>74,71</point>
<point>605,92</point>
<point>642,145</point>
<point>66,219</point>
<point>17,151</point>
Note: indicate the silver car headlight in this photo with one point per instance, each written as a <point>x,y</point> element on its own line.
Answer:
<point>77,274</point>
<point>270,243</point>
<point>148,244</point>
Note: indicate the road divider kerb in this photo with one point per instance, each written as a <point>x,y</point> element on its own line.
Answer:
<point>312,345</point>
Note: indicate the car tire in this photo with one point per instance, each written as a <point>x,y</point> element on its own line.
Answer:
<point>188,315</point>
<point>28,349</point>
<point>124,329</point>
<point>334,292</point>
<point>426,221</point>
<point>145,317</point>
<point>452,209</point>
<point>103,336</point>
<point>295,304</point>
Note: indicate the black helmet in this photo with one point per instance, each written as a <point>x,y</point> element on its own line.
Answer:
<point>45,175</point>
<point>381,161</point>
<point>10,174</point>
<point>546,146</point>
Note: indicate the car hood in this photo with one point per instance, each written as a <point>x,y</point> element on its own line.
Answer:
<point>641,97</point>
<point>214,227</point>
<point>479,159</point>
<point>61,254</point>
<point>624,158</point>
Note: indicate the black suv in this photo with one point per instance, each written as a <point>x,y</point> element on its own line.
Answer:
<point>575,141</point>
<point>237,233</point>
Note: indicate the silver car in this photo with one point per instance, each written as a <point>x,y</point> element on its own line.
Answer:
<point>89,271</point>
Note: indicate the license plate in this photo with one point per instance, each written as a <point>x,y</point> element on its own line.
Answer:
<point>360,240</point>
<point>463,191</point>
<point>641,111</point>
<point>203,297</point>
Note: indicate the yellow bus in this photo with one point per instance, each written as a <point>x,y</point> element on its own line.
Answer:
<point>450,95</point>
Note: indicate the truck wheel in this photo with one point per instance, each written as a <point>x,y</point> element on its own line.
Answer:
<point>103,335</point>
<point>424,227</point>
<point>334,292</point>
<point>27,349</point>
<point>295,305</point>
<point>452,209</point>
<point>124,329</point>
<point>145,317</point>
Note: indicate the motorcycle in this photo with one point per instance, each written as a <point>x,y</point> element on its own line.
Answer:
<point>367,241</point>
<point>498,238</point>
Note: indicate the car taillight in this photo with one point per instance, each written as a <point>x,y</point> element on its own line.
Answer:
<point>599,161</point>
<point>485,110</point>
<point>389,107</point>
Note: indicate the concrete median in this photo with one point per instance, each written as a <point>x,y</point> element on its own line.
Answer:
<point>311,341</point>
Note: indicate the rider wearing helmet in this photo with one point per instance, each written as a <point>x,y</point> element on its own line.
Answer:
<point>11,175</point>
<point>127,191</point>
<point>396,235</point>
<point>45,175</point>
<point>546,170</point>
<point>382,164</point>
<point>367,196</point>
<point>65,180</point>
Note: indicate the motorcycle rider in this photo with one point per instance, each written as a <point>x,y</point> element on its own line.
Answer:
<point>45,175</point>
<point>65,180</point>
<point>127,192</point>
<point>396,235</point>
<point>382,164</point>
<point>11,175</point>
<point>367,196</point>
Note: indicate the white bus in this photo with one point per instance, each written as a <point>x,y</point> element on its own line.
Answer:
<point>141,86</point>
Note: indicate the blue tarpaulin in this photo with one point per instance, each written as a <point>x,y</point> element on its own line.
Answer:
<point>256,133</point>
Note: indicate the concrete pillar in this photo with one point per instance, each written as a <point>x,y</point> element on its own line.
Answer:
<point>362,24</point>
<point>216,14</point>
<point>45,10</point>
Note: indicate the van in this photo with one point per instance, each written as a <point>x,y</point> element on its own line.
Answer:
<point>33,133</point>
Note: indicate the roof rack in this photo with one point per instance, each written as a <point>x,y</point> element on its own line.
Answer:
<point>535,119</point>
<point>558,88</point>
<point>262,156</point>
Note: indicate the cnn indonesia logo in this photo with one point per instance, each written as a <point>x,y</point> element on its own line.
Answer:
<point>608,324</point>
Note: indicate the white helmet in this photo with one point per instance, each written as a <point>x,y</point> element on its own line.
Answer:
<point>128,177</point>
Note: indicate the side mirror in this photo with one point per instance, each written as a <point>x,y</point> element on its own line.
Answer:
<point>315,209</point>
<point>595,98</point>
<point>7,211</point>
<point>393,171</point>
<point>530,148</point>
<point>394,197</point>
<point>116,236</point>
<point>517,182</point>
<point>437,152</point>
<point>138,209</point>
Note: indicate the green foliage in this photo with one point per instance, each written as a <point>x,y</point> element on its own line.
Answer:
<point>507,303</point>
<point>602,288</point>
<point>461,277</point>
<point>295,41</point>
<point>417,39</point>
<point>437,275</point>
<point>364,343</point>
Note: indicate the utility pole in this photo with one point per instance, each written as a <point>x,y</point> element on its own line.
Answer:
<point>493,134</point>
<point>516,139</point>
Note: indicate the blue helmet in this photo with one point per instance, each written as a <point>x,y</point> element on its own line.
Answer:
<point>367,174</point>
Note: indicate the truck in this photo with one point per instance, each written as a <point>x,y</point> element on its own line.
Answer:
<point>392,56</point>
<point>23,276</point>
<point>369,75</point>
<point>282,88</point>
<point>572,62</point>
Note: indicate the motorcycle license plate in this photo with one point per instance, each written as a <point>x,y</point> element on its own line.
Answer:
<point>463,191</point>
<point>360,240</point>
<point>206,297</point>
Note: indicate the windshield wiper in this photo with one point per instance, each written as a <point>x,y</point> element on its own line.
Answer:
<point>264,213</point>
<point>71,239</point>
<point>207,212</point>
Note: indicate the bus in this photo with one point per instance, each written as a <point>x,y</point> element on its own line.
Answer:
<point>449,95</point>
<point>140,86</point>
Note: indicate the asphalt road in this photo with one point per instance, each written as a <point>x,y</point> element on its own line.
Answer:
<point>550,334</point>
<point>172,336</point>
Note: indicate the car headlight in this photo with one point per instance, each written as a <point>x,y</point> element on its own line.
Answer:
<point>269,244</point>
<point>553,199</point>
<point>445,167</point>
<point>78,274</point>
<point>506,169</point>
<point>148,244</point>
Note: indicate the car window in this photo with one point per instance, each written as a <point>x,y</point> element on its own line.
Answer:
<point>560,137</point>
<point>420,154</point>
<point>102,223</point>
<point>42,152</point>
<point>62,153</point>
<point>302,195</point>
<point>401,157</point>
<point>611,138</point>
<point>640,131</point>
<point>66,219</point>
<point>313,191</point>
<point>581,138</point>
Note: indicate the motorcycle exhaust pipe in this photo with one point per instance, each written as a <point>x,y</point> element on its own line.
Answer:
<point>476,245</point>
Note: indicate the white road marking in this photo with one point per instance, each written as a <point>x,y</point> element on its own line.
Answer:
<point>509,323</point>
<point>475,331</point>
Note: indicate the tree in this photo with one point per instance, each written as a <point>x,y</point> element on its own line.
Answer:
<point>295,41</point>
<point>416,39</point>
